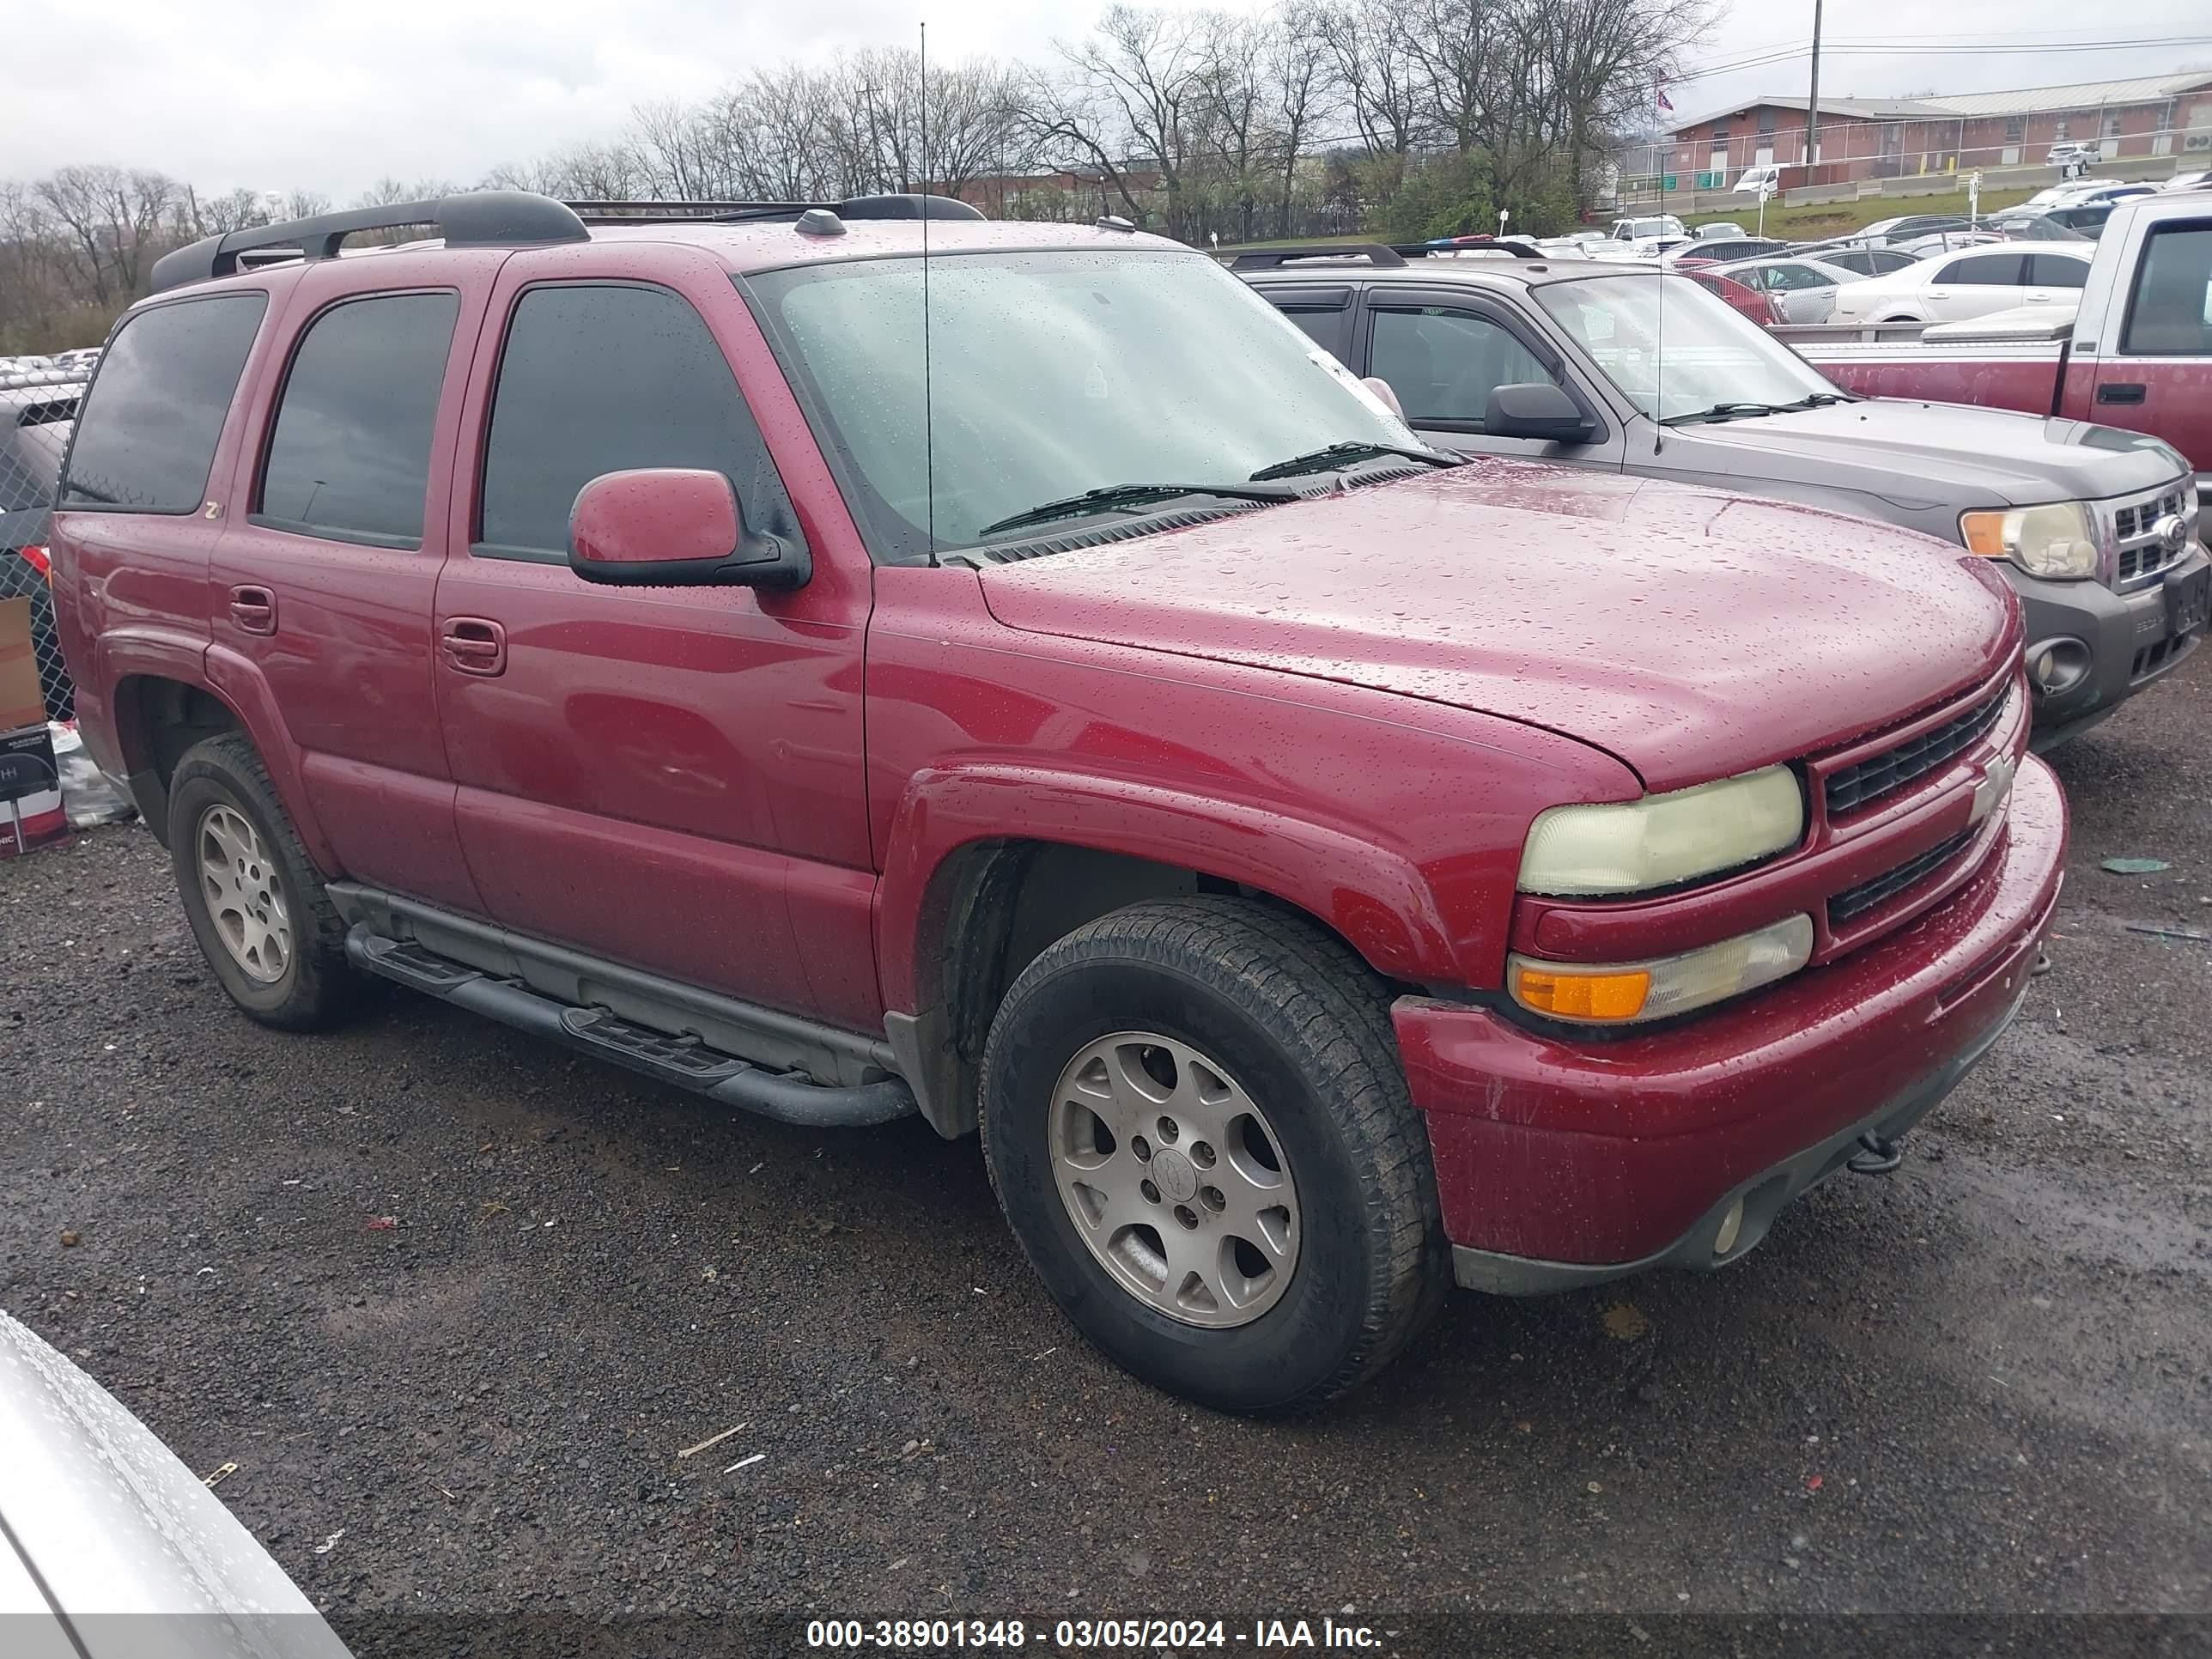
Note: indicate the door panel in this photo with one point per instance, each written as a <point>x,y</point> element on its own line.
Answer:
<point>670,778</point>
<point>2159,379</point>
<point>347,654</point>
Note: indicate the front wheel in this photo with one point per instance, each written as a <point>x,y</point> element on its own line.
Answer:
<point>1196,1119</point>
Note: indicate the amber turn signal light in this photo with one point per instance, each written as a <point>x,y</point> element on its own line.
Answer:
<point>1606,994</point>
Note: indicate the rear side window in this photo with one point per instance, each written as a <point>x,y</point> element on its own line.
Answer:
<point>2171,312</point>
<point>1984,270</point>
<point>350,457</point>
<point>147,433</point>
<point>2050,271</point>
<point>602,378</point>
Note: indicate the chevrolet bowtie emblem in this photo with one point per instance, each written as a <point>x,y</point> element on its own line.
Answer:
<point>1990,793</point>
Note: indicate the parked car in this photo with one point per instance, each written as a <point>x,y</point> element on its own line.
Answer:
<point>1650,248</point>
<point>2193,178</point>
<point>34,429</point>
<point>1737,296</point>
<point>112,1548</point>
<point>1951,288</point>
<point>2115,193</point>
<point>1724,250</point>
<point>1573,364</point>
<point>1723,228</point>
<point>2072,160</point>
<point>1126,738</point>
<point>1799,290</point>
<point>2062,221</point>
<point>79,362</point>
<point>1646,229</point>
<point>1946,241</point>
<point>2143,325</point>
<point>1862,261</point>
<point>1762,181</point>
<point>1884,233</point>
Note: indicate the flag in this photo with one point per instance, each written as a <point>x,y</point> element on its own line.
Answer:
<point>1663,101</point>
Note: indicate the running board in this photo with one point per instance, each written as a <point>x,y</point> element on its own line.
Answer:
<point>682,1062</point>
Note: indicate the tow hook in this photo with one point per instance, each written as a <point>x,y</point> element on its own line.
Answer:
<point>1879,1156</point>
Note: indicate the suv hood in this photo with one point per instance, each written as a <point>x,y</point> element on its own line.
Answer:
<point>1689,633</point>
<point>1921,455</point>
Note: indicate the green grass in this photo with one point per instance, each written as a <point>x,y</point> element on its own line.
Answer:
<point>1361,240</point>
<point>1839,218</point>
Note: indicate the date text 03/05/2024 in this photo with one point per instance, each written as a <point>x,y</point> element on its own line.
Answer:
<point>1141,1634</point>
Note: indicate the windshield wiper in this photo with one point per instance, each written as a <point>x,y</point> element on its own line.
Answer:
<point>1109,497</point>
<point>1730,412</point>
<point>1331,456</point>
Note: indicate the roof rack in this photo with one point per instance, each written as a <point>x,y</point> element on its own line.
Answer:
<point>908,205</point>
<point>479,218</point>
<point>1375,253</point>
<point>1486,244</point>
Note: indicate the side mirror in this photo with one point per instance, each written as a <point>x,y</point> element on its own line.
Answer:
<point>1381,388</point>
<point>1539,410</point>
<point>675,527</point>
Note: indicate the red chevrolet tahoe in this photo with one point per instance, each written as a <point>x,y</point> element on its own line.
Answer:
<point>1321,869</point>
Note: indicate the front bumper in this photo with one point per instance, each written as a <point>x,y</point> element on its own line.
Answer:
<point>1562,1162</point>
<point>2120,631</point>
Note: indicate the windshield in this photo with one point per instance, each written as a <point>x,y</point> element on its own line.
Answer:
<point>1712,355</point>
<point>1051,373</point>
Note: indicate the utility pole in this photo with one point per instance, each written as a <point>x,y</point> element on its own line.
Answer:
<point>1813,102</point>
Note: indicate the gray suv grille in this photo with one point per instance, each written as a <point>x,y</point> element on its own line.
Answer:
<point>2142,553</point>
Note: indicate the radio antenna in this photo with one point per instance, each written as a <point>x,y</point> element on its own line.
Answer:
<point>1659,325</point>
<point>928,397</point>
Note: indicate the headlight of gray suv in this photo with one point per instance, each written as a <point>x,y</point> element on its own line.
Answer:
<point>2058,540</point>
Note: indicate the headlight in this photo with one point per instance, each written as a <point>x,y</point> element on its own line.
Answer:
<point>1662,840</point>
<point>2055,540</point>
<point>1620,992</point>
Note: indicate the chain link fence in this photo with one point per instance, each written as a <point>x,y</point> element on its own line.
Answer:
<point>38,405</point>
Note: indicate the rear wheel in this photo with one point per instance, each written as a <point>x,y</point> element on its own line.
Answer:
<point>1196,1118</point>
<point>253,897</point>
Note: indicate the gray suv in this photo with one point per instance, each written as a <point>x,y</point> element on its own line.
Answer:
<point>1626,368</point>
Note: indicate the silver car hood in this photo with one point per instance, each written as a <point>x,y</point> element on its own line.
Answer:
<point>1924,455</point>
<point>108,1539</point>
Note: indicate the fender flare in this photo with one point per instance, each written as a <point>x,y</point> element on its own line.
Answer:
<point>232,681</point>
<point>1375,897</point>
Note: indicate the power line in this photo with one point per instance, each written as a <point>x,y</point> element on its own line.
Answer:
<point>1897,49</point>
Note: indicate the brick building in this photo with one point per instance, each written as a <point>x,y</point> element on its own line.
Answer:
<point>2153,115</point>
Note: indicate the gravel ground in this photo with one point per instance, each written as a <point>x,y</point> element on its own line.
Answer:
<point>1979,1386</point>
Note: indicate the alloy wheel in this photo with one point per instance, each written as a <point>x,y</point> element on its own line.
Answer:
<point>245,900</point>
<point>1175,1179</point>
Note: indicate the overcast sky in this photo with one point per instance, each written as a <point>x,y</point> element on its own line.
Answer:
<point>332,94</point>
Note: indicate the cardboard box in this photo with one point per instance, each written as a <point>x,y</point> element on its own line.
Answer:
<point>22,703</point>
<point>31,815</point>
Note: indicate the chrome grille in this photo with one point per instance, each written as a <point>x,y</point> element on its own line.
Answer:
<point>1861,785</point>
<point>1857,901</point>
<point>2142,555</point>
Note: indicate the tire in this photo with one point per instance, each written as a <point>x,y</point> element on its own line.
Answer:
<point>307,985</point>
<point>1290,1021</point>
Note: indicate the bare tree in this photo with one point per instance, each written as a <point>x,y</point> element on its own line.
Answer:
<point>1128,99</point>
<point>1299,88</point>
<point>109,217</point>
<point>1372,52</point>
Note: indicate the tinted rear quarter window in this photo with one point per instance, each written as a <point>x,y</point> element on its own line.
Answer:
<point>1984,270</point>
<point>147,435</point>
<point>2055,271</point>
<point>603,379</point>
<point>350,458</point>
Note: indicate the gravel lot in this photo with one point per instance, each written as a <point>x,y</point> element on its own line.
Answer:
<point>1978,1386</point>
